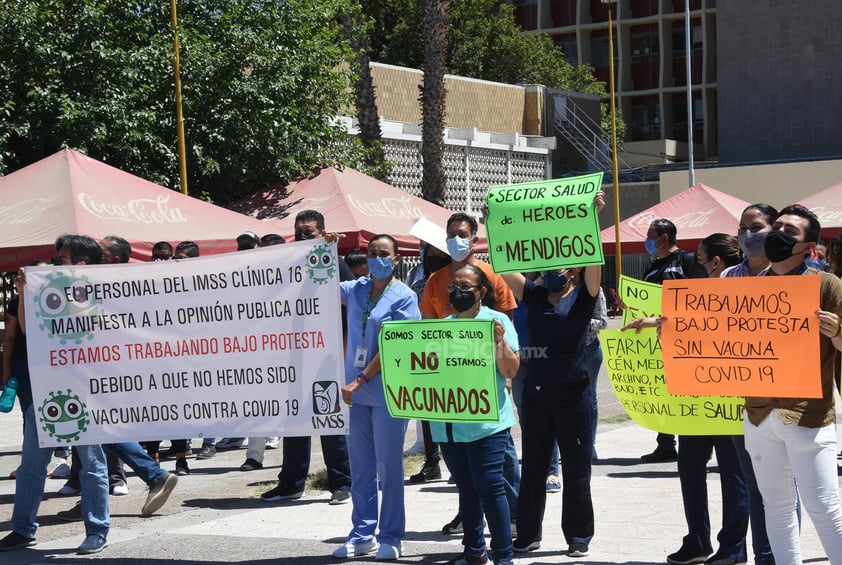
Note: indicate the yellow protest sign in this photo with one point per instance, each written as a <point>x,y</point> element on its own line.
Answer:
<point>636,370</point>
<point>544,225</point>
<point>756,336</point>
<point>641,298</point>
<point>440,370</point>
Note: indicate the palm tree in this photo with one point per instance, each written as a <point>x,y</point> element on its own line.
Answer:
<point>364,98</point>
<point>432,99</point>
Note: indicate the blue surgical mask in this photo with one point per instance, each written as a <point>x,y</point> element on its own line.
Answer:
<point>651,246</point>
<point>380,267</point>
<point>752,243</point>
<point>554,282</point>
<point>458,247</point>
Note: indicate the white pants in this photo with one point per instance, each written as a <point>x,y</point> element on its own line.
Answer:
<point>782,454</point>
<point>256,448</point>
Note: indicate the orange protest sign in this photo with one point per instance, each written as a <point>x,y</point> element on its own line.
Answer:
<point>754,336</point>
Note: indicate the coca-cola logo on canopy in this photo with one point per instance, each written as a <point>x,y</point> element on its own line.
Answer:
<point>399,207</point>
<point>142,210</point>
<point>688,220</point>
<point>825,214</point>
<point>25,211</point>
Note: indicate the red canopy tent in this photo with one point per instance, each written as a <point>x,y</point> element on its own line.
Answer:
<point>69,192</point>
<point>696,212</point>
<point>353,204</point>
<point>827,205</point>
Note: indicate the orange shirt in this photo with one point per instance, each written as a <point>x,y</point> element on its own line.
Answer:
<point>436,300</point>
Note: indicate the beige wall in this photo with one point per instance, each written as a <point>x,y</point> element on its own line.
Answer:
<point>487,106</point>
<point>778,184</point>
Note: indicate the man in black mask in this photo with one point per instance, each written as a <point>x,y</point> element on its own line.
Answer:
<point>310,224</point>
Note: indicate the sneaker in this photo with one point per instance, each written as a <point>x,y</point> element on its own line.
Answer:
<point>158,494</point>
<point>522,546</point>
<point>68,490</point>
<point>686,557</point>
<point>340,496</point>
<point>552,484</point>
<point>428,472</point>
<point>120,489</point>
<point>60,471</point>
<point>181,467</point>
<point>272,443</point>
<point>454,527</point>
<point>207,452</point>
<point>468,559</point>
<point>251,465</point>
<point>281,493</point>
<point>661,455</point>
<point>94,543</point>
<point>72,515</point>
<point>388,552</point>
<point>577,549</point>
<point>349,550</point>
<point>15,541</point>
<point>230,443</point>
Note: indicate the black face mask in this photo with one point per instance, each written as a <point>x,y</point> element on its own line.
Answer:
<point>433,263</point>
<point>301,236</point>
<point>462,300</point>
<point>778,246</point>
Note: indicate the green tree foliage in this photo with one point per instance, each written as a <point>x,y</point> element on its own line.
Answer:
<point>262,83</point>
<point>484,42</point>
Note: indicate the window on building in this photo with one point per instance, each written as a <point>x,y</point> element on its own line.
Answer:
<point>646,119</point>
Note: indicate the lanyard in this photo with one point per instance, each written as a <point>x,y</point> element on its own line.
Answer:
<point>370,306</point>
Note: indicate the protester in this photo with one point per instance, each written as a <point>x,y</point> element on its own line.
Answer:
<point>375,442</point>
<point>475,452</point>
<point>557,403</point>
<point>32,472</point>
<point>715,253</point>
<point>669,262</point>
<point>357,262</point>
<point>794,439</point>
<point>271,239</point>
<point>435,303</point>
<point>310,224</point>
<point>162,251</point>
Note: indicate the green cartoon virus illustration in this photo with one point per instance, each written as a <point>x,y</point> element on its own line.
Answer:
<point>321,264</point>
<point>64,416</point>
<point>62,297</point>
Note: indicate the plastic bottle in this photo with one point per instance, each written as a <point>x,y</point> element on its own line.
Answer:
<point>10,391</point>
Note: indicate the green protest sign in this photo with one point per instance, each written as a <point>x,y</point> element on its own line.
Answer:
<point>635,366</point>
<point>544,225</point>
<point>440,370</point>
<point>642,299</point>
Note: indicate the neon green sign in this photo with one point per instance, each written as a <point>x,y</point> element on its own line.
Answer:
<point>544,225</point>
<point>440,370</point>
<point>641,298</point>
<point>635,365</point>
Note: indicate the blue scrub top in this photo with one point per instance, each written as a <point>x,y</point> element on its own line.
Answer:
<point>464,433</point>
<point>398,302</point>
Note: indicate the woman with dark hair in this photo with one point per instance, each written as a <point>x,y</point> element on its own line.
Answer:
<point>717,252</point>
<point>375,441</point>
<point>475,452</point>
<point>834,255</point>
<point>557,403</point>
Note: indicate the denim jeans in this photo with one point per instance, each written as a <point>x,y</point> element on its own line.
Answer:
<point>511,474</point>
<point>133,454</point>
<point>783,453</point>
<point>296,462</point>
<point>32,475</point>
<point>477,468</point>
<point>693,454</point>
<point>757,516</point>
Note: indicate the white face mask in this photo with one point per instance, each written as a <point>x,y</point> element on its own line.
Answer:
<point>752,243</point>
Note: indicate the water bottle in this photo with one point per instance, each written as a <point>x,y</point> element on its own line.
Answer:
<point>10,391</point>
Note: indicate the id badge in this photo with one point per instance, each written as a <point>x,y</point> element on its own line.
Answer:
<point>360,357</point>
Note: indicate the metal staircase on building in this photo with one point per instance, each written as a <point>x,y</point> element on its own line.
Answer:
<point>577,127</point>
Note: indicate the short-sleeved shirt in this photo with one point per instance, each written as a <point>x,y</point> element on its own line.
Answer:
<point>468,432</point>
<point>807,412</point>
<point>397,302</point>
<point>435,301</point>
<point>557,331</point>
<point>677,265</point>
